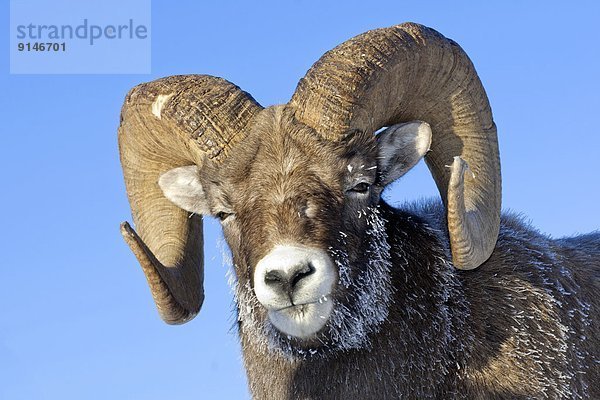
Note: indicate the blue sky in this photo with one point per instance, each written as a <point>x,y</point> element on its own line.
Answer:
<point>76,318</point>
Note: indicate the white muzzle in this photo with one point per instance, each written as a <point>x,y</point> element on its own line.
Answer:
<point>294,283</point>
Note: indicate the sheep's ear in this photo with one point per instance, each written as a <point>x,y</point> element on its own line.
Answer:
<point>400,147</point>
<point>182,186</point>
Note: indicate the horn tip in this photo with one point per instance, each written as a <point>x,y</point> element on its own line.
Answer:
<point>125,228</point>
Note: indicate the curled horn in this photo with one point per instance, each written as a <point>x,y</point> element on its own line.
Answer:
<point>168,123</point>
<point>411,72</point>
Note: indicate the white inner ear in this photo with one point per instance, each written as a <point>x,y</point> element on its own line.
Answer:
<point>402,146</point>
<point>182,186</point>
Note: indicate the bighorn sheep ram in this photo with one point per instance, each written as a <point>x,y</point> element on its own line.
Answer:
<point>339,295</point>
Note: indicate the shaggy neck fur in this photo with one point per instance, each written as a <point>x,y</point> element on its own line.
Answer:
<point>419,304</point>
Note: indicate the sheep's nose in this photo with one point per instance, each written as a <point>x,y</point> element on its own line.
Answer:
<point>289,277</point>
<point>293,275</point>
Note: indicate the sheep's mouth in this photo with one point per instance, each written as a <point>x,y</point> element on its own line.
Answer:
<point>303,320</point>
<point>301,306</point>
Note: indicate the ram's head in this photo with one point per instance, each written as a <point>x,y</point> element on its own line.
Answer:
<point>296,186</point>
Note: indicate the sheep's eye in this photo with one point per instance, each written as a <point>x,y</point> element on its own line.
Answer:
<point>222,215</point>
<point>362,187</point>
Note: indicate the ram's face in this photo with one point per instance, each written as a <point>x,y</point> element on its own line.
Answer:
<point>296,212</point>
<point>296,202</point>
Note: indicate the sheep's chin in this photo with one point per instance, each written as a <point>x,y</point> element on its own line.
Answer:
<point>302,321</point>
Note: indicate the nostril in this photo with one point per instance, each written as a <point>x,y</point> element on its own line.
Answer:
<point>290,278</point>
<point>302,272</point>
<point>274,277</point>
